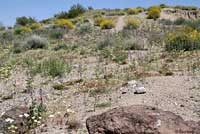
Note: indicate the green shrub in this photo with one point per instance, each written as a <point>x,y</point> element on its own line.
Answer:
<point>57,35</point>
<point>61,46</point>
<point>35,42</point>
<point>131,24</point>
<point>180,21</point>
<point>76,10</point>
<point>154,12</point>
<point>120,56</point>
<point>52,66</point>
<point>195,24</point>
<point>24,21</point>
<point>166,22</point>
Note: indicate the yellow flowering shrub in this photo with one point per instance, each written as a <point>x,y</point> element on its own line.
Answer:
<point>186,39</point>
<point>36,26</point>
<point>64,23</point>
<point>134,11</point>
<point>132,24</point>
<point>154,12</point>
<point>107,24</point>
<point>22,30</point>
<point>98,21</point>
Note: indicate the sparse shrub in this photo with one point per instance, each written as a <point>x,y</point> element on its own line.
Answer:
<point>154,12</point>
<point>131,24</point>
<point>166,22</point>
<point>107,24</point>
<point>61,15</point>
<point>52,66</point>
<point>107,42</point>
<point>180,21</point>
<point>163,6</point>
<point>58,87</point>
<point>17,48</point>
<point>131,44</point>
<point>61,46</point>
<point>186,7</point>
<point>23,30</point>
<point>64,23</point>
<point>85,28</point>
<point>7,36</point>
<point>57,35</point>
<point>120,56</point>
<point>35,42</point>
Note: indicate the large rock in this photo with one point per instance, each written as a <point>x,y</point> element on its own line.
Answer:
<point>140,120</point>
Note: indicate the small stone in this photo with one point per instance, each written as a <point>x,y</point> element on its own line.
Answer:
<point>182,105</point>
<point>124,92</point>
<point>140,90</point>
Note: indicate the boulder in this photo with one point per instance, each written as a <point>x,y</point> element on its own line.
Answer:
<point>140,119</point>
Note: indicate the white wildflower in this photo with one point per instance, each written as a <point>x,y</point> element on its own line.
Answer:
<point>26,115</point>
<point>21,116</point>
<point>51,116</point>
<point>9,120</point>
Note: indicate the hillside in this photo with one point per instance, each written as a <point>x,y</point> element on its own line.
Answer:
<point>56,73</point>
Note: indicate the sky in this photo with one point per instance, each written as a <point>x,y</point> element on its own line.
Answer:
<point>41,9</point>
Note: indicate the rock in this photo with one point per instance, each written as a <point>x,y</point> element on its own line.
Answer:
<point>140,90</point>
<point>140,119</point>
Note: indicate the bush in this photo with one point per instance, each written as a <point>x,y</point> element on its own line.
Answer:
<point>185,39</point>
<point>35,42</point>
<point>131,24</point>
<point>166,22</point>
<point>24,21</point>
<point>57,35</point>
<point>85,28</point>
<point>180,21</point>
<point>52,66</point>
<point>64,23</point>
<point>75,11</point>
<point>107,42</point>
<point>23,30</point>
<point>154,12</point>
<point>132,11</point>
<point>131,44</point>
<point>61,15</point>
<point>120,56</point>
<point>98,21</point>
<point>61,46</point>
<point>107,24</point>
<point>195,24</point>
<point>35,26</point>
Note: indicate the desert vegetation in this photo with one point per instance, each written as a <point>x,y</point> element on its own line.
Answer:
<point>57,71</point>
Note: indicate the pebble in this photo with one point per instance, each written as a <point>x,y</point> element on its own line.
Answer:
<point>140,90</point>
